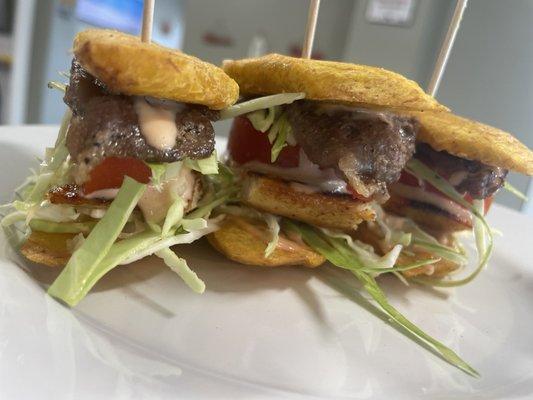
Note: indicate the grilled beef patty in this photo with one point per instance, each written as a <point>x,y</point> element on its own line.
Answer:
<point>368,148</point>
<point>467,176</point>
<point>105,124</point>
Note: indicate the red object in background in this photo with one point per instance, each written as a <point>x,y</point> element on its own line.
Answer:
<point>410,180</point>
<point>110,173</point>
<point>215,39</point>
<point>295,50</point>
<point>247,144</point>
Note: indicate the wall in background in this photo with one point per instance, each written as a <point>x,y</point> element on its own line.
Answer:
<point>489,76</point>
<point>280,22</point>
<point>409,50</point>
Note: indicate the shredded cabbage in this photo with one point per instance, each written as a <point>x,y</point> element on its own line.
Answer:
<point>206,166</point>
<point>72,282</point>
<point>340,254</point>
<point>481,230</point>
<point>193,224</point>
<point>272,222</point>
<point>260,103</point>
<point>278,135</point>
<point>173,239</point>
<point>174,215</point>
<point>396,230</point>
<point>179,266</point>
<point>262,120</point>
<point>100,251</point>
<point>54,212</point>
<point>511,189</point>
<point>42,225</point>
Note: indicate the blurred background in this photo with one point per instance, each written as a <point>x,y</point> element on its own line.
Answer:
<point>488,77</point>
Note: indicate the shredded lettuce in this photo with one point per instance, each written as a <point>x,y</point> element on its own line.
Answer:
<point>206,166</point>
<point>260,103</point>
<point>174,215</point>
<point>166,171</point>
<point>481,230</point>
<point>272,222</point>
<point>262,120</point>
<point>395,230</point>
<point>42,225</point>
<point>173,239</point>
<point>54,212</point>
<point>511,189</point>
<point>278,135</point>
<point>72,282</point>
<point>74,286</point>
<point>193,224</point>
<point>366,253</point>
<point>13,217</point>
<point>119,236</point>
<point>158,173</point>
<point>340,254</point>
<point>179,266</point>
<point>58,86</point>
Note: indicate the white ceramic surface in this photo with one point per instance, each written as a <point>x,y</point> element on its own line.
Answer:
<point>256,333</point>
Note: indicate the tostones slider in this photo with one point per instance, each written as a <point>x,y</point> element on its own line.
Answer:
<point>365,152</point>
<point>133,171</point>
<point>356,165</point>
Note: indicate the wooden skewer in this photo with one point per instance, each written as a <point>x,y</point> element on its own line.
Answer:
<point>446,48</point>
<point>148,21</point>
<point>310,29</point>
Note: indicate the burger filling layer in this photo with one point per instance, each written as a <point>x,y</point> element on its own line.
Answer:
<point>333,149</point>
<point>472,179</point>
<point>107,125</point>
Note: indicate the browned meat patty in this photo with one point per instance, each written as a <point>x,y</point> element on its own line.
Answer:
<point>467,176</point>
<point>106,124</point>
<point>368,148</point>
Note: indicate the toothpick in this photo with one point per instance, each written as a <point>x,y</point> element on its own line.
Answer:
<point>446,48</point>
<point>310,29</point>
<point>148,21</point>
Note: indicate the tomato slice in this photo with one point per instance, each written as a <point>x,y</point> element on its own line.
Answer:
<point>110,173</point>
<point>247,144</point>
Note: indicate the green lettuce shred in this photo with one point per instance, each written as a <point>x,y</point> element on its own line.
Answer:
<point>43,225</point>
<point>260,103</point>
<point>174,215</point>
<point>206,166</point>
<point>482,232</point>
<point>338,253</point>
<point>511,189</point>
<point>179,266</point>
<point>72,282</point>
<point>262,120</point>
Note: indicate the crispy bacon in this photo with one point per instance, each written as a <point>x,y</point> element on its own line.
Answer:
<point>71,194</point>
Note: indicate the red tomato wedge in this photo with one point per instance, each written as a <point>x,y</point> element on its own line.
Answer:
<point>110,173</point>
<point>246,144</point>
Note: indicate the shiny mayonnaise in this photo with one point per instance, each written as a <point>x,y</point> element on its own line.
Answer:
<point>157,124</point>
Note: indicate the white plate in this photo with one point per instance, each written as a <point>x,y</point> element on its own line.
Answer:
<point>257,333</point>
